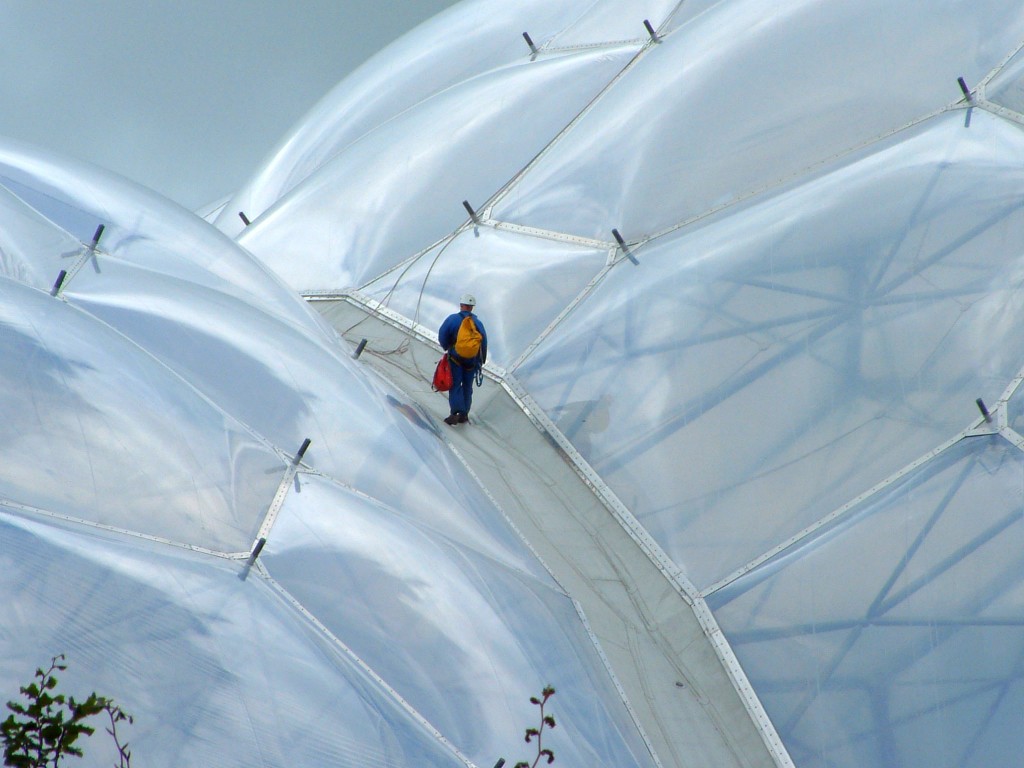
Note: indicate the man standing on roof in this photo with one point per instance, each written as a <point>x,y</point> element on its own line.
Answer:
<point>463,337</point>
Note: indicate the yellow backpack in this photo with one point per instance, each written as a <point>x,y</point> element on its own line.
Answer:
<point>468,340</point>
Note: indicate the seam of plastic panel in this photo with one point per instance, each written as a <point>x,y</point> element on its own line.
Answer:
<point>38,212</point>
<point>582,46</point>
<point>1013,437</point>
<point>290,465</point>
<point>484,216</point>
<point>573,21</point>
<point>615,681</point>
<point>402,267</point>
<point>362,665</point>
<point>671,15</point>
<point>521,229</point>
<point>1004,401</point>
<point>251,431</point>
<point>485,219</point>
<point>546,234</point>
<point>813,167</point>
<point>509,185</point>
<point>672,573</point>
<point>30,511</point>
<point>637,41</point>
<point>91,252</point>
<point>283,488</point>
<point>972,431</point>
<point>994,108</point>
<point>500,225</point>
<point>435,532</point>
<point>328,159</point>
<point>1002,412</point>
<point>87,254</point>
<point>751,701</point>
<point>487,209</point>
<point>999,67</point>
<point>569,308</point>
<point>726,205</point>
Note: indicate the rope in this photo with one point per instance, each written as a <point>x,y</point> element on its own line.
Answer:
<point>403,346</point>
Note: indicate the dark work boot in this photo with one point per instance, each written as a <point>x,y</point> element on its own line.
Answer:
<point>452,420</point>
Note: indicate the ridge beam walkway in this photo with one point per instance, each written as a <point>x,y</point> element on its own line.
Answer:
<point>677,687</point>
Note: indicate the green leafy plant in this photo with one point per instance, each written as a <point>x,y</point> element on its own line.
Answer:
<point>45,729</point>
<point>546,721</point>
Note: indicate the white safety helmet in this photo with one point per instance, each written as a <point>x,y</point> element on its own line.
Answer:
<point>468,299</point>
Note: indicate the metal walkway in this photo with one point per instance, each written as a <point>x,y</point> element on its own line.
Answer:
<point>693,710</point>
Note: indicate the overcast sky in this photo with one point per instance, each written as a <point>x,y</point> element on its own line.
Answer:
<point>184,96</point>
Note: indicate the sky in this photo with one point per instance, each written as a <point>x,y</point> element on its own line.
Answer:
<point>184,96</point>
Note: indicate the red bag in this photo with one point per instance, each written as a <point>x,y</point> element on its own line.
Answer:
<point>442,375</point>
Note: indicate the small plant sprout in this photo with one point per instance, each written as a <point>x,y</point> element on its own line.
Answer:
<point>118,715</point>
<point>546,721</point>
<point>43,731</point>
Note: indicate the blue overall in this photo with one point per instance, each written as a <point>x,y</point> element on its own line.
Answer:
<point>460,396</point>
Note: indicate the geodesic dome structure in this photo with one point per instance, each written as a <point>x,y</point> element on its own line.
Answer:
<point>261,550</point>
<point>755,270</point>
